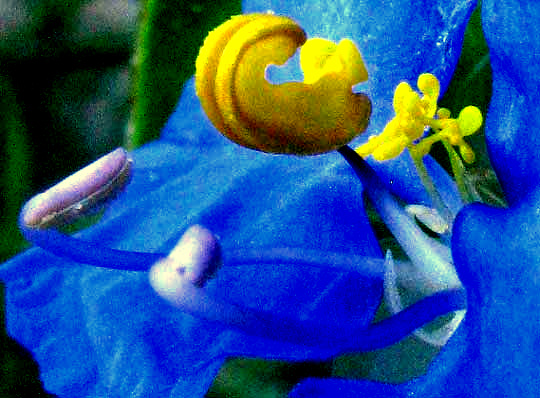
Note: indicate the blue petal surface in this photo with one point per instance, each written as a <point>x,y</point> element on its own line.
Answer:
<point>494,352</point>
<point>497,250</point>
<point>511,30</point>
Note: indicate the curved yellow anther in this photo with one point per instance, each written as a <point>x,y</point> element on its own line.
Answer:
<point>317,57</point>
<point>207,64</point>
<point>316,116</point>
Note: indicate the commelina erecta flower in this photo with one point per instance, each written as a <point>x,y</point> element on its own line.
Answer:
<point>256,254</point>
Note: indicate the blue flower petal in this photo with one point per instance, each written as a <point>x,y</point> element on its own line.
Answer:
<point>511,30</point>
<point>496,250</point>
<point>502,276</point>
<point>343,388</point>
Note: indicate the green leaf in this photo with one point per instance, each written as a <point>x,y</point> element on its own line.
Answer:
<point>15,175</point>
<point>257,378</point>
<point>471,85</point>
<point>471,82</point>
<point>170,35</point>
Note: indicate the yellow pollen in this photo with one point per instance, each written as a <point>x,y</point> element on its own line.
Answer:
<point>413,115</point>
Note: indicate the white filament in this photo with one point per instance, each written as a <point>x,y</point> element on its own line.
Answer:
<point>409,274</point>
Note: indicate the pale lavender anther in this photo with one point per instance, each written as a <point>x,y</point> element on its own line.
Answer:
<point>197,255</point>
<point>80,192</point>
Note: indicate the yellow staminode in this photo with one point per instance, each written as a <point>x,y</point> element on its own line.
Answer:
<point>413,115</point>
<point>318,115</point>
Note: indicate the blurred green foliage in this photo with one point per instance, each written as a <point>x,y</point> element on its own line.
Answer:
<point>15,171</point>
<point>170,35</point>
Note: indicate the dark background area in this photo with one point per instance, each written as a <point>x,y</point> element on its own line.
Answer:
<point>64,76</point>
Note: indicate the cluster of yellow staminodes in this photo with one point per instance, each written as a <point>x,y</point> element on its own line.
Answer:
<point>413,115</point>
<point>322,113</point>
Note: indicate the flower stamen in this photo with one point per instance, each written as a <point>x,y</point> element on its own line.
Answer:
<point>415,114</point>
<point>315,116</point>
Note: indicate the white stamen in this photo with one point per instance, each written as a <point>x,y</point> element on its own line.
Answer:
<point>428,216</point>
<point>438,337</point>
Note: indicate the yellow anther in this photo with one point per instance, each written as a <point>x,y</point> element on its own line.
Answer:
<point>390,149</point>
<point>443,113</point>
<point>316,116</point>
<point>469,120</point>
<point>453,130</point>
<point>467,152</point>
<point>450,131</point>
<point>404,98</point>
<point>429,86</point>
<point>413,115</point>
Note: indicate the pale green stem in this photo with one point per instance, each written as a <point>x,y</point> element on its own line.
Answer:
<point>459,173</point>
<point>436,198</point>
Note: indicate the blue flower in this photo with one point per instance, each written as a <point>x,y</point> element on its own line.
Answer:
<point>104,332</point>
